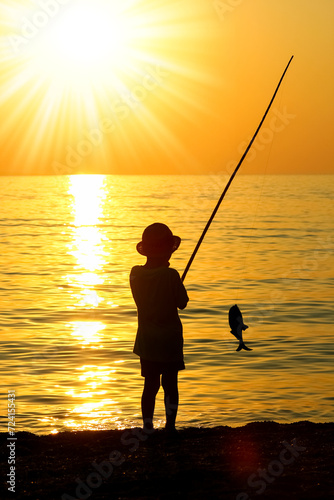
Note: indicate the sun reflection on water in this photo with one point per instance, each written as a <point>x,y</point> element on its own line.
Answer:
<point>91,407</point>
<point>88,333</point>
<point>88,242</point>
<point>94,412</point>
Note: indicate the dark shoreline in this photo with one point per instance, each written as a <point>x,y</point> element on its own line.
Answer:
<point>264,460</point>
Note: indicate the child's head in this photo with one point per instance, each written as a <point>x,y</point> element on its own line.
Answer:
<point>158,242</point>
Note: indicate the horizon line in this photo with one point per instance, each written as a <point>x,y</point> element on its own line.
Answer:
<point>166,174</point>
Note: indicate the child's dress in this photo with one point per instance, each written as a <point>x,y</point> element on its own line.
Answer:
<point>158,293</point>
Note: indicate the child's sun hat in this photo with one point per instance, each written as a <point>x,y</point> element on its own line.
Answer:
<point>157,240</point>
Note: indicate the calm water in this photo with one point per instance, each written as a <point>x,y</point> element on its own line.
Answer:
<point>68,321</point>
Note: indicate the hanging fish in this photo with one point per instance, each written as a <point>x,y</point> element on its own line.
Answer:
<point>237,326</point>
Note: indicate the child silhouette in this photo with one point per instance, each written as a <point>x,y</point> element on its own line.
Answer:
<point>158,293</point>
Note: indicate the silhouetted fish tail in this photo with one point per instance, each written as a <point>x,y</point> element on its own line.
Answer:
<point>246,348</point>
<point>243,346</point>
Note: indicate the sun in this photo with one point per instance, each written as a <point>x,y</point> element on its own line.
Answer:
<point>91,41</point>
<point>90,36</point>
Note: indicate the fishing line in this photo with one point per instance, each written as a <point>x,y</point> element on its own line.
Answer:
<point>263,180</point>
<point>232,176</point>
<point>263,177</point>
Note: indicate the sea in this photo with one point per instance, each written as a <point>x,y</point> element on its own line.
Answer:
<point>68,321</point>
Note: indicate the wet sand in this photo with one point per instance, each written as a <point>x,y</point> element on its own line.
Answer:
<point>263,460</point>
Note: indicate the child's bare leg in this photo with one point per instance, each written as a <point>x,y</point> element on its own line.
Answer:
<point>169,384</point>
<point>151,387</point>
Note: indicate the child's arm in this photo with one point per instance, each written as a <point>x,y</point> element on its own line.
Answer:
<point>182,299</point>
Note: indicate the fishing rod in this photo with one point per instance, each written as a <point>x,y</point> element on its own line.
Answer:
<point>232,176</point>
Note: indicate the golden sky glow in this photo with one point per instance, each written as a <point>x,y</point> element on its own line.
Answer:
<point>141,87</point>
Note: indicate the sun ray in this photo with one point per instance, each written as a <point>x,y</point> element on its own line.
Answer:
<point>100,77</point>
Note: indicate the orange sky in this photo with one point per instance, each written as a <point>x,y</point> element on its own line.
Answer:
<point>141,87</point>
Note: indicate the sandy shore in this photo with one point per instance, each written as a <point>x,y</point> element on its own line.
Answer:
<point>260,460</point>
